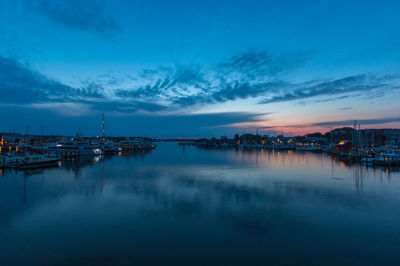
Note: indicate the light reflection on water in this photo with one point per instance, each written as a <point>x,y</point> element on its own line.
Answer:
<point>187,205</point>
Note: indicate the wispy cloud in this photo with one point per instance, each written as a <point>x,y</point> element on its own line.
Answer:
<point>24,86</point>
<point>88,15</point>
<point>250,75</point>
<point>72,109</point>
<point>230,91</point>
<point>19,84</point>
<point>256,64</point>
<point>243,75</point>
<point>360,121</point>
<point>183,88</point>
<point>350,84</point>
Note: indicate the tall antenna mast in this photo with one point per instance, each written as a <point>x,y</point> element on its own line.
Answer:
<point>104,132</point>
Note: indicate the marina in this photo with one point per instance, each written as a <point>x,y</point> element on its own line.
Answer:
<point>350,150</point>
<point>35,155</point>
<point>179,203</point>
<point>199,132</point>
<point>350,146</point>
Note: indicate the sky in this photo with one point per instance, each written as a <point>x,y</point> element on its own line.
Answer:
<point>198,68</point>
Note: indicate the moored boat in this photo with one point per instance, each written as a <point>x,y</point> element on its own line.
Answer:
<point>389,159</point>
<point>109,148</point>
<point>37,161</point>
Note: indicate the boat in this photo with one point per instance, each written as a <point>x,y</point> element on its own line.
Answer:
<point>282,147</point>
<point>302,148</point>
<point>390,159</point>
<point>108,148</point>
<point>311,148</point>
<point>90,149</point>
<point>37,161</point>
<point>314,148</point>
<point>367,160</point>
<point>224,146</point>
<point>10,159</point>
<point>72,148</point>
<point>127,146</point>
<point>252,147</point>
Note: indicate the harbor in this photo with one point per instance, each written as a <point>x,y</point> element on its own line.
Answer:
<point>29,151</point>
<point>350,145</point>
<point>26,156</point>
<point>378,148</point>
<point>135,208</point>
<point>199,132</point>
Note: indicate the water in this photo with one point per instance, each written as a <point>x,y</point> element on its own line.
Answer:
<point>183,205</point>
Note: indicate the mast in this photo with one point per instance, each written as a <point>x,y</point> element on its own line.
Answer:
<point>354,134</point>
<point>104,132</point>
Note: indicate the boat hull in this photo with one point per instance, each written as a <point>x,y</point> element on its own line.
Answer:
<point>49,163</point>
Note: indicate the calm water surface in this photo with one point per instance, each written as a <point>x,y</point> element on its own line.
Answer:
<point>183,205</point>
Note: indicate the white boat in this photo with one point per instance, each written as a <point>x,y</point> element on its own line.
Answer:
<point>72,148</point>
<point>90,149</point>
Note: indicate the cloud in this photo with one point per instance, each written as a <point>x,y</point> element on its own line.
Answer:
<point>350,84</point>
<point>249,75</point>
<point>19,84</point>
<point>173,89</point>
<point>126,107</point>
<point>87,15</point>
<point>64,108</point>
<point>166,83</point>
<point>230,92</point>
<point>189,86</point>
<point>263,63</point>
<point>243,75</point>
<point>360,121</point>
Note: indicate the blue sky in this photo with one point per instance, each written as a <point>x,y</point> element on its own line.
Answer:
<point>198,68</point>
